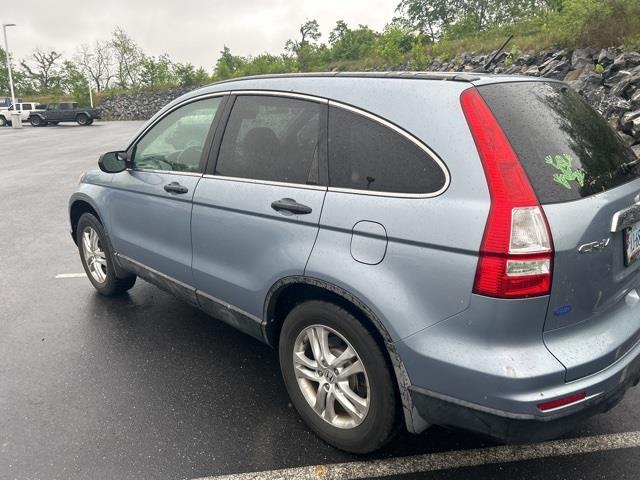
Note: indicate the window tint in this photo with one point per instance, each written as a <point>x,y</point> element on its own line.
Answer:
<point>272,138</point>
<point>366,155</point>
<point>566,148</point>
<point>175,143</point>
<point>26,106</point>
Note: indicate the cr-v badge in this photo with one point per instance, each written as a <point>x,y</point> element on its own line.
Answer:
<point>590,247</point>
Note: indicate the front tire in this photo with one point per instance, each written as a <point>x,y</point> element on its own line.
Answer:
<point>97,258</point>
<point>337,377</point>
<point>3,122</point>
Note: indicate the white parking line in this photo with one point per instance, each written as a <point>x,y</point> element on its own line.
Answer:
<point>71,275</point>
<point>446,460</point>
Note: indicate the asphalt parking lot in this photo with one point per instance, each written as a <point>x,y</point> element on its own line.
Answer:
<point>145,386</point>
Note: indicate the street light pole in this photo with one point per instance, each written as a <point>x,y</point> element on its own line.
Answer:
<point>90,94</point>
<point>6,52</point>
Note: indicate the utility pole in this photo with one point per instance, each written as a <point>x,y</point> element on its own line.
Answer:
<point>16,114</point>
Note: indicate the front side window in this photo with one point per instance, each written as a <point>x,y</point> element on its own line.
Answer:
<point>367,155</point>
<point>54,107</point>
<point>176,142</point>
<point>273,139</point>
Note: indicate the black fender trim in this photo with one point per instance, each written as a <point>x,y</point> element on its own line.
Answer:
<point>121,272</point>
<point>414,422</point>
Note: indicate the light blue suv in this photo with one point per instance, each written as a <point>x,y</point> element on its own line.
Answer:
<point>420,248</point>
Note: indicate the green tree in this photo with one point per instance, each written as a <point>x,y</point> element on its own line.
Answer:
<point>187,75</point>
<point>201,77</point>
<point>348,44</point>
<point>128,58</point>
<point>305,49</point>
<point>394,43</point>
<point>228,65</point>
<point>74,82</point>
<point>428,17</point>
<point>4,74</point>
<point>156,72</point>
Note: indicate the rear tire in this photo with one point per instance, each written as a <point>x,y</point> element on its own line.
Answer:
<point>83,119</point>
<point>97,258</point>
<point>370,393</point>
<point>36,121</point>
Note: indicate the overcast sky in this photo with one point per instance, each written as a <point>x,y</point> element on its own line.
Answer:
<point>188,30</point>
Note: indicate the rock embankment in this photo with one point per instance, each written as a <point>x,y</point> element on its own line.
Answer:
<point>139,106</point>
<point>608,78</point>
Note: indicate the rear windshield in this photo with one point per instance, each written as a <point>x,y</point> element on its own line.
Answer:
<point>567,149</point>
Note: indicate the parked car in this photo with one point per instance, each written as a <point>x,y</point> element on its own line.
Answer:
<point>25,109</point>
<point>64,112</point>
<point>452,249</point>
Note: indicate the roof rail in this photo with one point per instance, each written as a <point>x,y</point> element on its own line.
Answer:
<point>451,76</point>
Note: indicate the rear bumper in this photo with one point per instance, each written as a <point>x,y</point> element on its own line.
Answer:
<point>487,369</point>
<point>510,428</point>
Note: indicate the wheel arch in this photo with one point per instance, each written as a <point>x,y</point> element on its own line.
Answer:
<point>81,204</point>
<point>77,207</point>
<point>291,291</point>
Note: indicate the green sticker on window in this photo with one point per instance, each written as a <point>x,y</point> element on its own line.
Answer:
<point>563,163</point>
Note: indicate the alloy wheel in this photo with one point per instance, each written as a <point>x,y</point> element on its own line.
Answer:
<point>94,255</point>
<point>331,376</point>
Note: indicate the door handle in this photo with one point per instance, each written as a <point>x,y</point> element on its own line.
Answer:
<point>290,205</point>
<point>175,187</point>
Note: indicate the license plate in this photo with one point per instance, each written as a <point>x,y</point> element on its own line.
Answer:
<point>631,244</point>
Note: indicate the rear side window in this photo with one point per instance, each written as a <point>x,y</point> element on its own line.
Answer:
<point>567,149</point>
<point>273,139</point>
<point>367,155</point>
<point>26,106</point>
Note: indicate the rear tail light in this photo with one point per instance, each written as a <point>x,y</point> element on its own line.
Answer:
<point>516,253</point>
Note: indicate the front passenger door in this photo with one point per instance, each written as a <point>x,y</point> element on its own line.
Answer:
<point>150,204</point>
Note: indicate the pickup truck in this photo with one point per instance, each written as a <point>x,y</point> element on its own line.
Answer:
<point>26,109</point>
<point>64,112</point>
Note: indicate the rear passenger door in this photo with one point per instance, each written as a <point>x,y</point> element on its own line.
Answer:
<point>382,221</point>
<point>256,211</point>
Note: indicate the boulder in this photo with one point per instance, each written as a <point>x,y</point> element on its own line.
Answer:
<point>610,106</point>
<point>556,69</point>
<point>606,57</point>
<point>623,82</point>
<point>627,60</point>
<point>630,123</point>
<point>585,83</point>
<point>627,139</point>
<point>581,58</point>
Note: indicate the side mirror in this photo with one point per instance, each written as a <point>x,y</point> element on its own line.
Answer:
<point>113,162</point>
